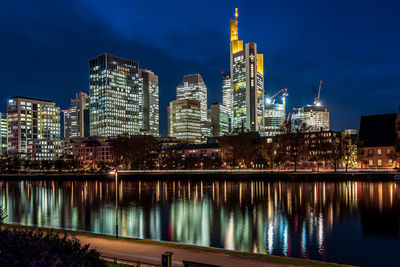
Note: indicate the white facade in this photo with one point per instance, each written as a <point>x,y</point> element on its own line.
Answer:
<point>31,119</point>
<point>315,118</point>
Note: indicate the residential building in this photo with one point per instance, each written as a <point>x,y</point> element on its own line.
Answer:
<point>378,142</point>
<point>247,78</point>
<point>193,87</point>
<point>115,96</point>
<point>227,95</point>
<point>93,151</point>
<point>76,118</point>
<point>31,119</point>
<point>3,134</point>
<point>185,120</point>
<point>219,120</point>
<point>274,117</point>
<point>150,102</point>
<point>314,117</point>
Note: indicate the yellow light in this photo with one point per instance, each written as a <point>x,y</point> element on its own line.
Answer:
<point>237,46</point>
<point>260,63</point>
<point>234,30</point>
<point>236,13</point>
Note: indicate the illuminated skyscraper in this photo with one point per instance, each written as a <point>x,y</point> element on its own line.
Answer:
<point>115,96</point>
<point>3,134</point>
<point>185,120</point>
<point>219,120</point>
<point>247,78</point>
<point>274,116</point>
<point>76,118</point>
<point>227,95</point>
<point>31,119</point>
<point>150,102</point>
<point>193,87</point>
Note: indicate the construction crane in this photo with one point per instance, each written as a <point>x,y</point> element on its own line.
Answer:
<point>271,100</point>
<point>316,101</point>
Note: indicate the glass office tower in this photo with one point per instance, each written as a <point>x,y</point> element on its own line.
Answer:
<point>115,96</point>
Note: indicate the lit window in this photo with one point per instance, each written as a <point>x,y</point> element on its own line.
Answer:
<point>379,162</point>
<point>371,162</point>
<point>379,151</point>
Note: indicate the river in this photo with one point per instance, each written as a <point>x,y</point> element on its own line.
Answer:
<point>351,222</point>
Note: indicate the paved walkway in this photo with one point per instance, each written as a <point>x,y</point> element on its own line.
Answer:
<point>152,253</point>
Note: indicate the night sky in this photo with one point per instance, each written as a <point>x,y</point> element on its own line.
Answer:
<point>353,46</point>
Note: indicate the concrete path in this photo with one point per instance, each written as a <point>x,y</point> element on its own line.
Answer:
<point>152,253</point>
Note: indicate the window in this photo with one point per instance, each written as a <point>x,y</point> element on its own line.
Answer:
<point>379,162</point>
<point>379,151</point>
<point>371,162</point>
<point>388,151</point>
<point>390,162</point>
<point>370,151</point>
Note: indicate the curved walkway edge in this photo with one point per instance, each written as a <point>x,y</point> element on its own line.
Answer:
<point>150,251</point>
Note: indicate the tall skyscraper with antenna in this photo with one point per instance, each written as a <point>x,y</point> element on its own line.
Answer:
<point>247,78</point>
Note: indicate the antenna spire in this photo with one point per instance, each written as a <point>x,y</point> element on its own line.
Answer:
<point>236,14</point>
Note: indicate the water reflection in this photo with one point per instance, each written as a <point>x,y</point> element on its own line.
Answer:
<point>281,218</point>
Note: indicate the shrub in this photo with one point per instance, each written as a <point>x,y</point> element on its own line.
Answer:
<point>35,248</point>
<point>2,216</point>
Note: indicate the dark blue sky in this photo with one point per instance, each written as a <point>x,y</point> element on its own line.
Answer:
<point>353,46</point>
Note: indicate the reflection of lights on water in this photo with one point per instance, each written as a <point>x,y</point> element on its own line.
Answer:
<point>285,237</point>
<point>270,237</point>
<point>229,237</point>
<point>320,232</point>
<point>303,241</point>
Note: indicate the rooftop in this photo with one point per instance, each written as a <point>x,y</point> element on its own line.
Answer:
<point>31,98</point>
<point>378,130</point>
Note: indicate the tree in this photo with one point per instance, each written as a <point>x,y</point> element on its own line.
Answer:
<point>135,152</point>
<point>238,149</point>
<point>349,157</point>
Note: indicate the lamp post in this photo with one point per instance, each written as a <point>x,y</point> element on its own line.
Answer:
<point>116,201</point>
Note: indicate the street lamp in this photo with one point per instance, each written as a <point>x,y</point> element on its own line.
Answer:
<point>115,172</point>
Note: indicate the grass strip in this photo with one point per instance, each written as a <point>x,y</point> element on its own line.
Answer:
<point>248,255</point>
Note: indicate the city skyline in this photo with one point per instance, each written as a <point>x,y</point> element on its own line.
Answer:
<point>338,52</point>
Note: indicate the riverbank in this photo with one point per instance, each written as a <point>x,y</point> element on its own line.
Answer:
<point>210,175</point>
<point>150,251</point>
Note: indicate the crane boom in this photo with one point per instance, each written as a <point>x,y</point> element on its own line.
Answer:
<point>319,89</point>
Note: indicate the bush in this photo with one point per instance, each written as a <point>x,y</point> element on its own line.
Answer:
<point>2,216</point>
<point>35,248</point>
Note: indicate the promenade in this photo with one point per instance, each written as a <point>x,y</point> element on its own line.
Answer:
<point>151,253</point>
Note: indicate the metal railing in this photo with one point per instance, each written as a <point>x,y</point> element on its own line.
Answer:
<point>130,262</point>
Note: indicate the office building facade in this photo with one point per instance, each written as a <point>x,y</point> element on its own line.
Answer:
<point>227,95</point>
<point>247,79</point>
<point>3,134</point>
<point>315,118</point>
<point>115,96</point>
<point>219,120</point>
<point>150,104</point>
<point>193,87</point>
<point>76,118</point>
<point>31,119</point>
<point>45,149</point>
<point>185,120</point>
<point>274,117</point>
